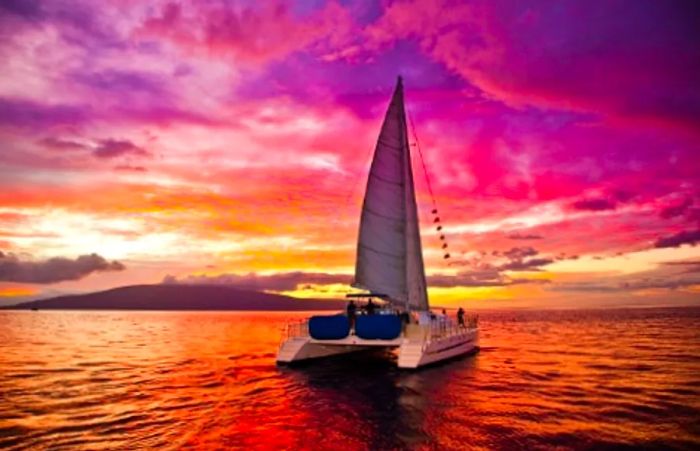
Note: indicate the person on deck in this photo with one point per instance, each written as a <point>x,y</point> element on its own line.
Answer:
<point>460,317</point>
<point>370,307</point>
<point>352,311</point>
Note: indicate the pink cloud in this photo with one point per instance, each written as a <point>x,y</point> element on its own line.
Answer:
<point>557,122</point>
<point>587,58</point>
<point>258,33</point>
<point>594,204</point>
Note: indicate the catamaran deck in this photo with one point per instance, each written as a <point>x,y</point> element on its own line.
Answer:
<point>417,344</point>
<point>355,340</point>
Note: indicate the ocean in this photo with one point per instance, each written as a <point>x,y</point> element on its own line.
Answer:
<point>578,379</point>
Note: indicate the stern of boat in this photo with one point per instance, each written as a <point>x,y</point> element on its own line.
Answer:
<point>297,345</point>
<point>438,341</point>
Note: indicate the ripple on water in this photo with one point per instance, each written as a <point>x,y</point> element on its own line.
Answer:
<point>125,380</point>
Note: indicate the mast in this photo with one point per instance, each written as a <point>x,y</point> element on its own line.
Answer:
<point>389,253</point>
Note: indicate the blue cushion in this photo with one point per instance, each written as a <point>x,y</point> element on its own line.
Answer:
<point>383,327</point>
<point>329,327</point>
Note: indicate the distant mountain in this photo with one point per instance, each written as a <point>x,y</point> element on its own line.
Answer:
<point>180,297</point>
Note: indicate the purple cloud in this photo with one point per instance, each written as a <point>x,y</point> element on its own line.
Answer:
<point>518,253</point>
<point>481,277</point>
<point>518,259</point>
<point>111,148</point>
<point>32,115</point>
<point>61,144</point>
<point>598,204</point>
<point>532,264</point>
<point>56,269</point>
<point>27,9</point>
<point>668,282</point>
<point>596,61</point>
<point>675,210</point>
<point>685,237</point>
<point>273,282</point>
<point>529,236</point>
<point>127,82</point>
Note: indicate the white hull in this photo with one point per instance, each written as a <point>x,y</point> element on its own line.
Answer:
<point>298,349</point>
<point>415,354</point>
<point>418,346</point>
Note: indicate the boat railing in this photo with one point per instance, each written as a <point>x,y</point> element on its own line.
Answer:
<point>299,328</point>
<point>442,327</point>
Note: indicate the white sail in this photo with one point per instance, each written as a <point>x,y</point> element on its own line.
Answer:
<point>389,255</point>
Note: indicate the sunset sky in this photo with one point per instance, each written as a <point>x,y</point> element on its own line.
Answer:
<point>229,142</point>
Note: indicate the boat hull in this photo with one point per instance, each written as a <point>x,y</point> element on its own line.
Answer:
<point>413,351</point>
<point>416,354</point>
<point>298,349</point>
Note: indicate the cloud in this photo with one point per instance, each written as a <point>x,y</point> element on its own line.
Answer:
<point>518,259</point>
<point>34,116</point>
<point>56,269</point>
<point>529,236</point>
<point>596,62</point>
<point>230,96</point>
<point>517,253</point>
<point>532,264</point>
<point>27,9</point>
<point>690,266</point>
<point>28,114</point>
<point>259,33</point>
<point>111,148</point>
<point>672,211</point>
<point>685,237</point>
<point>273,282</point>
<point>648,281</point>
<point>594,204</point>
<point>103,149</point>
<point>130,168</point>
<point>564,256</point>
<point>61,144</point>
<point>486,276</point>
<point>483,277</point>
<point>681,275</point>
<point>124,82</point>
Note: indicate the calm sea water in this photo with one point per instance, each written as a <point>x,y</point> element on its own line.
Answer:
<point>543,380</point>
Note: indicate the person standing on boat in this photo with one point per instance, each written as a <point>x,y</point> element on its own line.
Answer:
<point>370,307</point>
<point>460,317</point>
<point>352,311</point>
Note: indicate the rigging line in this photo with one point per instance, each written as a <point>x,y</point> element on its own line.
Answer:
<point>427,181</point>
<point>422,160</point>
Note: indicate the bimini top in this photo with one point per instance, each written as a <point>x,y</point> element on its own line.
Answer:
<point>389,254</point>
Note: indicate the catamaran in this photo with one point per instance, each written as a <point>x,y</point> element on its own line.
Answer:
<point>389,267</point>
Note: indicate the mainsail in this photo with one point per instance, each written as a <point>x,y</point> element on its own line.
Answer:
<point>389,255</point>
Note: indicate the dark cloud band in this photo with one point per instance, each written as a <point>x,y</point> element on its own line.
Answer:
<point>57,269</point>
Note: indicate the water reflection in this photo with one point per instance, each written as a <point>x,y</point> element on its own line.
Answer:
<point>367,396</point>
<point>208,380</point>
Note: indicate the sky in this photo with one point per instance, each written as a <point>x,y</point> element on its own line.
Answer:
<point>228,142</point>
